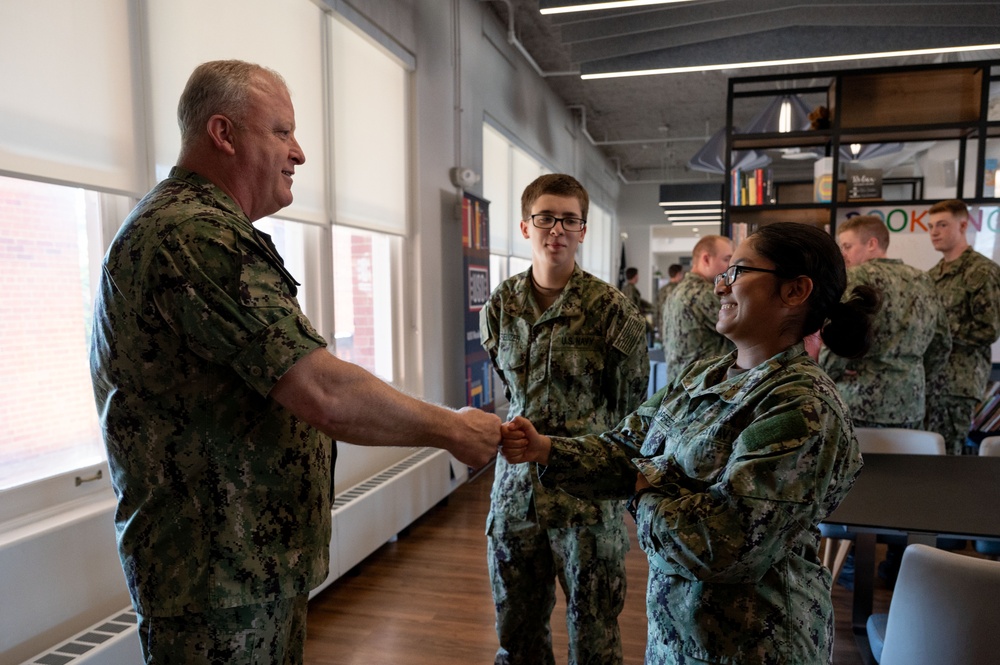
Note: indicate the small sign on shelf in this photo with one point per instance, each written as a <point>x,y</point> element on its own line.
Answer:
<point>863,184</point>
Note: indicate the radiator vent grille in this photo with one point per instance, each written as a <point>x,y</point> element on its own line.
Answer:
<point>78,648</point>
<point>374,482</point>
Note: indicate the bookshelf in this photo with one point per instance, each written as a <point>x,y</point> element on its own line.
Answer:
<point>858,109</point>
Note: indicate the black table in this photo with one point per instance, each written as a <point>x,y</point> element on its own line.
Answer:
<point>921,496</point>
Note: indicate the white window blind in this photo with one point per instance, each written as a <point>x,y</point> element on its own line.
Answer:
<point>496,189</point>
<point>524,169</point>
<point>370,138</point>
<point>68,110</point>
<point>596,247</point>
<point>285,36</point>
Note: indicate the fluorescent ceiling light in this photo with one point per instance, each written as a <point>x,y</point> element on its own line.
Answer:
<point>693,223</point>
<point>699,218</point>
<point>790,61</point>
<point>570,7</point>
<point>670,204</point>
<point>694,211</point>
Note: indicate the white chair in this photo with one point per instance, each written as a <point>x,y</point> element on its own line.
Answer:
<point>876,441</point>
<point>943,611</point>
<point>989,447</point>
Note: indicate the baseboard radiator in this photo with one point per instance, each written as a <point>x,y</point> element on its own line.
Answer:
<point>365,517</point>
<point>373,512</point>
<point>113,641</point>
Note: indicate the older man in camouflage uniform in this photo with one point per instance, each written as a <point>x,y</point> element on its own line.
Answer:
<point>570,351</point>
<point>218,398</point>
<point>692,310</point>
<point>885,387</point>
<point>969,286</point>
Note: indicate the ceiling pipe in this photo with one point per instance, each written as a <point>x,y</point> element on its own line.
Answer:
<point>513,41</point>
<point>595,143</point>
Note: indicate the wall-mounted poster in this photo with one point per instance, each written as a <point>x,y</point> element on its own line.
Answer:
<point>476,264</point>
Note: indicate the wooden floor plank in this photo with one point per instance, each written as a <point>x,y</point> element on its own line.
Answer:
<point>425,598</point>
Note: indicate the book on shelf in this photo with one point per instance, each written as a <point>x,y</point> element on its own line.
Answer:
<point>752,188</point>
<point>986,417</point>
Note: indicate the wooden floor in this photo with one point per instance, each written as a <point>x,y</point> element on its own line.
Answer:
<point>425,599</point>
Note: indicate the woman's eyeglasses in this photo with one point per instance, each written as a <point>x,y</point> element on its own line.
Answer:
<point>732,272</point>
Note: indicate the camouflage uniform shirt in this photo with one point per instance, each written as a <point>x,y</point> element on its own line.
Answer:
<point>743,468</point>
<point>223,495</point>
<point>969,287</point>
<point>574,369</point>
<point>661,298</point>
<point>910,338</point>
<point>689,318</point>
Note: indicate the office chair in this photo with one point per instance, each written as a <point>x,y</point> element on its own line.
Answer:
<point>990,446</point>
<point>943,611</point>
<point>872,441</point>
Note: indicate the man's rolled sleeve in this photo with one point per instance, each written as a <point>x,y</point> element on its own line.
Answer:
<point>275,350</point>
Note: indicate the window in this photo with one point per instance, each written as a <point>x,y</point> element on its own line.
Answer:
<point>363,303</point>
<point>507,170</point>
<point>50,253</point>
<point>596,247</point>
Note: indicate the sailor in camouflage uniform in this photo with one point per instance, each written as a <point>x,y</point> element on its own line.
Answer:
<point>969,286</point>
<point>885,388</point>
<point>211,383</point>
<point>676,274</point>
<point>730,469</point>
<point>570,351</point>
<point>691,311</point>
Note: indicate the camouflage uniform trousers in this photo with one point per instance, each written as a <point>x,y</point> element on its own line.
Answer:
<point>950,416</point>
<point>271,633</point>
<point>524,562</point>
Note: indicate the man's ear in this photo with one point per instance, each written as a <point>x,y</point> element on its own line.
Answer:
<point>796,292</point>
<point>222,132</point>
<point>524,228</point>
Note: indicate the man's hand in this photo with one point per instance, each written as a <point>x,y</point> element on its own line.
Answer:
<point>480,438</point>
<point>522,443</point>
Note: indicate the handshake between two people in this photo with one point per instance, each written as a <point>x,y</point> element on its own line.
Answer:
<point>521,442</point>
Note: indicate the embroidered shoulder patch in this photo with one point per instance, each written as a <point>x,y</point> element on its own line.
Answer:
<point>782,427</point>
<point>630,336</point>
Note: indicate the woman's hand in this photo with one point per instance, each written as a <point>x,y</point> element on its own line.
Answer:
<point>520,442</point>
<point>641,482</point>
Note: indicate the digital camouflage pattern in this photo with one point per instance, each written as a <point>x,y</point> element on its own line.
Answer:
<point>631,291</point>
<point>910,340</point>
<point>689,318</point>
<point>223,495</point>
<point>661,299</point>
<point>524,563</point>
<point>969,287</point>
<point>744,468</point>
<point>576,368</point>
<point>271,633</point>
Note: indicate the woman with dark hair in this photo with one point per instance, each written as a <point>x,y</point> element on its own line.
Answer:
<point>730,468</point>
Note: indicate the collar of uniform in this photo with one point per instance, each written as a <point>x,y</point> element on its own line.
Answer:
<point>885,259</point>
<point>948,267</point>
<point>567,303</point>
<point>713,380</point>
<point>223,199</point>
<point>225,202</point>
